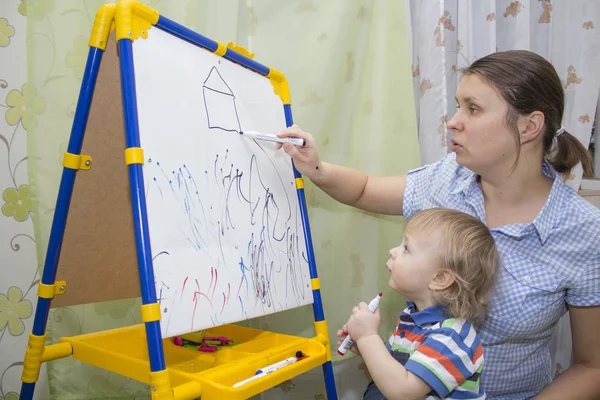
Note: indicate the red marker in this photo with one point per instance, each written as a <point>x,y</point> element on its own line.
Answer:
<point>348,342</point>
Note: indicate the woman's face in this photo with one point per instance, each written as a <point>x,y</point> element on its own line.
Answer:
<point>481,140</point>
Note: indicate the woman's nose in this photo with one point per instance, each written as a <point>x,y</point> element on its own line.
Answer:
<point>455,124</point>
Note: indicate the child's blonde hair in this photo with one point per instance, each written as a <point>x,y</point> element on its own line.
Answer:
<point>468,249</point>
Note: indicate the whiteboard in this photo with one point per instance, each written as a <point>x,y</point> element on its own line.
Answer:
<point>225,227</point>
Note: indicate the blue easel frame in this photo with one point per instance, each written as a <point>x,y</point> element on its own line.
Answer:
<point>33,357</point>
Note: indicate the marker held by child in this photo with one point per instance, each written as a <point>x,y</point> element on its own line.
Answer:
<point>273,138</point>
<point>348,342</point>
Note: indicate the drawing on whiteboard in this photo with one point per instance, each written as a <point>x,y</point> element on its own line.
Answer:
<point>225,226</point>
<point>219,103</point>
<point>242,225</point>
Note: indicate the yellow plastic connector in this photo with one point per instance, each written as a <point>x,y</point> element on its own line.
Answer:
<point>77,161</point>
<point>160,385</point>
<point>133,19</point>
<point>56,351</point>
<point>103,23</point>
<point>221,49</point>
<point>280,85</point>
<point>188,390</point>
<point>134,155</point>
<point>49,291</point>
<point>240,50</point>
<point>323,336</point>
<point>36,354</point>
<point>150,312</point>
<point>33,358</point>
<point>316,283</point>
<point>299,183</point>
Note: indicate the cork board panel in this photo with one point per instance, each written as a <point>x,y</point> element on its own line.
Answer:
<point>98,258</point>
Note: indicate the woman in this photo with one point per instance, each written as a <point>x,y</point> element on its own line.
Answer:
<point>507,146</point>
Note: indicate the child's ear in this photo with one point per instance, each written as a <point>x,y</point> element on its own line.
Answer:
<point>442,280</point>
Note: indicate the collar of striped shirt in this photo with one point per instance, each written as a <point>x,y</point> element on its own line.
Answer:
<point>430,315</point>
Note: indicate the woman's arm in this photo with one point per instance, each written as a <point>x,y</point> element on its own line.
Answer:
<point>383,195</point>
<point>378,194</point>
<point>582,379</point>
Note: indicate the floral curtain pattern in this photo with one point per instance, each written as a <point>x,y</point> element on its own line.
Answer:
<point>19,272</point>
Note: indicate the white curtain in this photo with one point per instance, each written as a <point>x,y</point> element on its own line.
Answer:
<point>447,35</point>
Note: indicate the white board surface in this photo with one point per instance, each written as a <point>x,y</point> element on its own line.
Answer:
<point>225,227</point>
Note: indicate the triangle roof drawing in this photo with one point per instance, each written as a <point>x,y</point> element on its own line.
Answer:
<point>215,82</point>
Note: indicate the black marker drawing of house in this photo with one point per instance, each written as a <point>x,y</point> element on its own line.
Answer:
<point>219,102</point>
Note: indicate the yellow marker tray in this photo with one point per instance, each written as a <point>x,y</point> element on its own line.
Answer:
<point>194,374</point>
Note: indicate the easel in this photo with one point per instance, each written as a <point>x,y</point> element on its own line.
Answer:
<point>171,371</point>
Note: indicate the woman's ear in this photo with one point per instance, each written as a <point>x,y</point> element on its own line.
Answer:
<point>531,127</point>
<point>442,280</point>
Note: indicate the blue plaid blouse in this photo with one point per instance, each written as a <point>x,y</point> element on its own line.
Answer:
<point>546,265</point>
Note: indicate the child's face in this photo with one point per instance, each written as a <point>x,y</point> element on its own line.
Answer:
<point>413,265</point>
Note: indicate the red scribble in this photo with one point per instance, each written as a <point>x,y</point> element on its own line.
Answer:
<point>194,312</point>
<point>216,280</point>
<point>223,307</point>
<point>212,276</point>
<point>205,296</point>
<point>228,292</point>
<point>183,287</point>
<point>196,302</point>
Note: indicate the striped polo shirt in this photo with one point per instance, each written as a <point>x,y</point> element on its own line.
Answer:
<point>444,352</point>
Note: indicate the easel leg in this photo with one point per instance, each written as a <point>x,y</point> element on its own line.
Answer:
<point>329,380</point>
<point>159,376</point>
<point>32,363</point>
<point>323,333</point>
<point>320,322</point>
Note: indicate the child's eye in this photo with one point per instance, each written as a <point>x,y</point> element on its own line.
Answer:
<point>473,110</point>
<point>405,248</point>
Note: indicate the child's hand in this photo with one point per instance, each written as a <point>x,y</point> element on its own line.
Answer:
<point>363,323</point>
<point>342,333</point>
